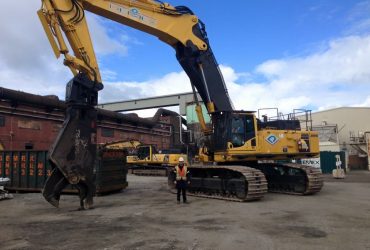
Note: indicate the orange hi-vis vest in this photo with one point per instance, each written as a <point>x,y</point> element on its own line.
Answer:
<point>181,173</point>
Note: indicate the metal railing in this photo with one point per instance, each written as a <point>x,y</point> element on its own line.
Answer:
<point>304,116</point>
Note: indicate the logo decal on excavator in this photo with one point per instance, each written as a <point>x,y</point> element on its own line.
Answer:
<point>272,139</point>
<point>133,13</point>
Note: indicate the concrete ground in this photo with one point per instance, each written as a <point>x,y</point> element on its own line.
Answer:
<point>146,216</point>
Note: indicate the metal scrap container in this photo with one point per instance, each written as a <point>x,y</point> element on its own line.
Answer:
<point>111,170</point>
<point>28,171</point>
<point>328,161</point>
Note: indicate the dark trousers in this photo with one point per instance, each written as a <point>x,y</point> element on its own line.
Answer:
<point>181,188</point>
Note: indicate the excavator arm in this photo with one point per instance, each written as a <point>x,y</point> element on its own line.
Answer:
<point>73,153</point>
<point>176,26</point>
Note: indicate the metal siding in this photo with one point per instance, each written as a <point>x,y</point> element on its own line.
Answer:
<point>41,171</point>
<point>347,118</point>
<point>16,171</point>
<point>24,170</point>
<point>28,171</point>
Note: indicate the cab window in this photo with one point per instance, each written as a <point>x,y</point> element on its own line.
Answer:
<point>237,132</point>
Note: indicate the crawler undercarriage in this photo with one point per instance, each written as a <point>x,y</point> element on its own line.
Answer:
<point>242,183</point>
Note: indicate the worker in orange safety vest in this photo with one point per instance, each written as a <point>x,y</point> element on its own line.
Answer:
<point>182,180</point>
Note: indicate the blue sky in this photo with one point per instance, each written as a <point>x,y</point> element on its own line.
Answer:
<point>243,34</point>
<point>288,54</point>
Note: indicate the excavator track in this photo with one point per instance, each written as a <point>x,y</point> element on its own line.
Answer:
<point>232,183</point>
<point>292,178</point>
<point>143,170</point>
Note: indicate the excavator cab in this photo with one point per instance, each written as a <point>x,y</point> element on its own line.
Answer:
<point>232,129</point>
<point>145,152</point>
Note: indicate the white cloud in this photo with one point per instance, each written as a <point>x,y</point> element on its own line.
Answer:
<point>344,61</point>
<point>171,83</point>
<point>336,76</point>
<point>365,103</point>
<point>103,43</point>
<point>27,62</point>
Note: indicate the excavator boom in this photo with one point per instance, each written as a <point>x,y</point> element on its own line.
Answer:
<point>74,150</point>
<point>176,26</point>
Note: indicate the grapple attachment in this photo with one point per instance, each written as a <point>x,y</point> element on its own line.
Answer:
<point>73,154</point>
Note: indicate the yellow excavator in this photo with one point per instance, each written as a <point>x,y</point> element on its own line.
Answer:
<point>150,162</point>
<point>143,159</point>
<point>241,153</point>
<point>127,144</point>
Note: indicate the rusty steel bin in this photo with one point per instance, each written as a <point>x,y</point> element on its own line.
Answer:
<point>111,171</point>
<point>28,171</point>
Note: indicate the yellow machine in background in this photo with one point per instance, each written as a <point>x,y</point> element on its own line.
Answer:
<point>145,159</point>
<point>148,161</point>
<point>130,144</point>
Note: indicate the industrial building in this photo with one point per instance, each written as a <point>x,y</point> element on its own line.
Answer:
<point>31,122</point>
<point>345,129</point>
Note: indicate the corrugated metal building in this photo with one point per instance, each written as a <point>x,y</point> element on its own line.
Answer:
<point>352,126</point>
